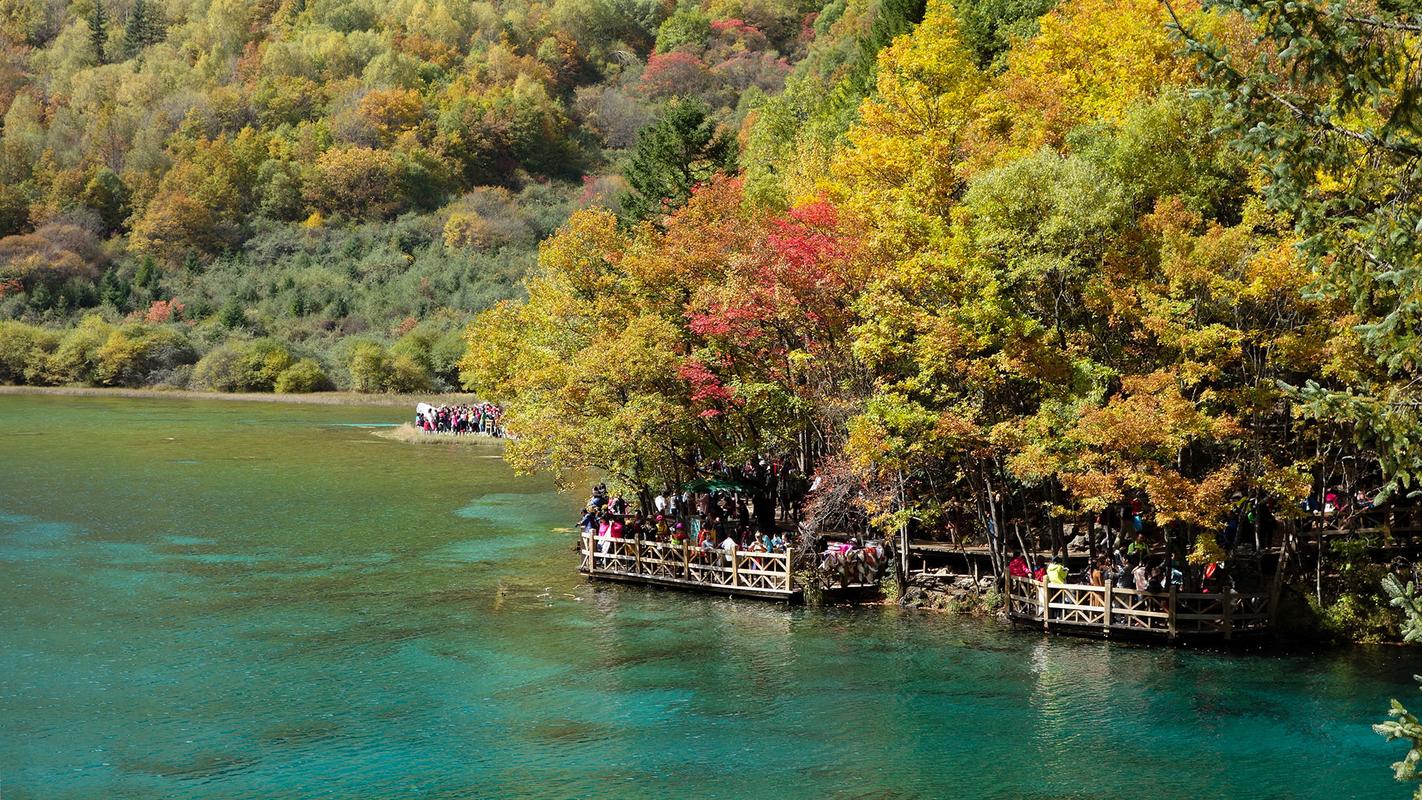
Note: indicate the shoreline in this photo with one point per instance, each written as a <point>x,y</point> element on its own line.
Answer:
<point>409,434</point>
<point>314,398</point>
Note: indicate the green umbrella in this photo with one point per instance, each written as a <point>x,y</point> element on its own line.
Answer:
<point>716,485</point>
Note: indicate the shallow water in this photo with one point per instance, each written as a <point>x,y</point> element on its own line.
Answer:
<point>207,599</point>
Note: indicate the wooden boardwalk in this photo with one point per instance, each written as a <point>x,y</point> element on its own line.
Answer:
<point>679,565</point>
<point>1115,611</point>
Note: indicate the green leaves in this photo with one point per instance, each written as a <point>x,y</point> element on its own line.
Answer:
<point>1404,726</point>
<point>1404,597</point>
<point>680,150</point>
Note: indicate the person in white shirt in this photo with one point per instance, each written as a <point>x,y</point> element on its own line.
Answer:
<point>729,545</point>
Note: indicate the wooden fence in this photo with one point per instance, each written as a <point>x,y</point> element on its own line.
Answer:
<point>741,572</point>
<point>1109,609</point>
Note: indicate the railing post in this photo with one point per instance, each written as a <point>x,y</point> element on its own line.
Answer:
<point>592,553</point>
<point>1228,613</point>
<point>1106,606</point>
<point>1170,625</point>
<point>1011,585</point>
<point>685,562</point>
<point>735,566</point>
<point>788,583</point>
<point>1044,599</point>
<point>637,554</point>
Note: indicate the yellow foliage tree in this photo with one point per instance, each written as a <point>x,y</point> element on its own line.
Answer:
<point>900,170</point>
<point>1091,62</point>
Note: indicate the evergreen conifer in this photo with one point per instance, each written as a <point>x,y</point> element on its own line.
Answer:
<point>674,154</point>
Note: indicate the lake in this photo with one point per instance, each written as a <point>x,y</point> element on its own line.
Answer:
<point>210,599</point>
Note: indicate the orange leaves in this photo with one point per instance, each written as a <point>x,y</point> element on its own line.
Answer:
<point>1178,499</point>
<point>163,311</point>
<point>702,241</point>
<point>1138,441</point>
<point>1152,417</point>
<point>391,112</point>
<point>1093,491</point>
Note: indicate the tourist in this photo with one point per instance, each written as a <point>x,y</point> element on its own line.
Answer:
<point>1018,568</point>
<point>1056,571</point>
<point>1156,584</point>
<point>728,547</point>
<point>1138,549</point>
<point>604,531</point>
<point>1099,574</point>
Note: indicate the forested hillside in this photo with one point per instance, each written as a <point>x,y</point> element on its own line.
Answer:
<point>276,181</point>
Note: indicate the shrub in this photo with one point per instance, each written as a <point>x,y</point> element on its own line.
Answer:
<point>164,311</point>
<point>134,352</point>
<point>263,361</point>
<point>243,367</point>
<point>221,369</point>
<point>303,376</point>
<point>416,345</point>
<point>232,314</point>
<point>77,358</point>
<point>24,353</point>
<point>407,375</point>
<point>445,354</point>
<point>369,367</point>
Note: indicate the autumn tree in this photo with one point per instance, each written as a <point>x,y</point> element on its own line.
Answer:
<point>655,353</point>
<point>1326,100</point>
<point>358,181</point>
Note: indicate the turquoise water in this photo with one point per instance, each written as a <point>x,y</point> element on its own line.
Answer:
<point>240,600</point>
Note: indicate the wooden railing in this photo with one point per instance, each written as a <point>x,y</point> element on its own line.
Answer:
<point>1111,608</point>
<point>679,563</point>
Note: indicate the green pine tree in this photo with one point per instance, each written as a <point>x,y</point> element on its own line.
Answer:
<point>1404,725</point>
<point>144,26</point>
<point>114,290</point>
<point>149,276</point>
<point>232,315</point>
<point>99,31</point>
<point>674,154</point>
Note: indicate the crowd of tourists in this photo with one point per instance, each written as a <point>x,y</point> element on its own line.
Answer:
<point>479,418</point>
<point>707,520</point>
<point>1132,565</point>
<point>1138,570</point>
